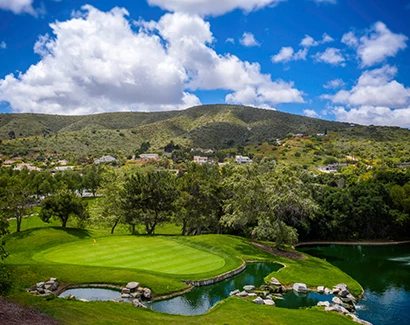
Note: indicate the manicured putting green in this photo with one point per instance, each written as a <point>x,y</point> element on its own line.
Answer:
<point>156,254</point>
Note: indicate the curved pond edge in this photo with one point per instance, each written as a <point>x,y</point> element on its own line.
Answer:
<point>66,287</point>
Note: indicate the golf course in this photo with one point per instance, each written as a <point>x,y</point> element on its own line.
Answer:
<point>161,263</point>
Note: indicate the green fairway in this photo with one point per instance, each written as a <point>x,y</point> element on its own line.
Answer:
<point>155,254</point>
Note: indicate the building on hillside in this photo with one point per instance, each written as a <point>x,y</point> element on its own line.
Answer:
<point>202,150</point>
<point>104,159</point>
<point>63,168</point>
<point>332,168</point>
<point>243,160</point>
<point>202,160</point>
<point>404,165</point>
<point>9,162</point>
<point>149,156</point>
<point>63,162</point>
<point>23,166</point>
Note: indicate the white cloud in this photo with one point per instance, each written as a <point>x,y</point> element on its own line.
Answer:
<point>287,54</point>
<point>331,55</point>
<point>96,62</point>
<point>350,39</point>
<point>212,7</point>
<point>248,40</point>
<point>309,41</point>
<point>3,45</point>
<point>376,45</point>
<point>230,40</point>
<point>374,88</point>
<point>334,84</point>
<point>18,6</point>
<point>374,115</point>
<point>310,113</point>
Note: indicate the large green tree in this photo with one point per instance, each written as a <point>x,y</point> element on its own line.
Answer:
<point>268,201</point>
<point>148,198</point>
<point>62,206</point>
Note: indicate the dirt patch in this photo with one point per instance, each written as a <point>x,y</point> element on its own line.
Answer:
<point>279,252</point>
<point>14,314</point>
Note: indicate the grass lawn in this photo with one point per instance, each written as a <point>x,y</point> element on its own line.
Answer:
<point>158,262</point>
<point>155,254</point>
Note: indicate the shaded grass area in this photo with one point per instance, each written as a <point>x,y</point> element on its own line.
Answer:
<point>229,311</point>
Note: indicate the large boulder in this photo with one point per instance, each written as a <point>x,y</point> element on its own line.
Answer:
<point>242,294</point>
<point>337,300</point>
<point>147,294</point>
<point>132,286</point>
<point>258,301</point>
<point>138,304</point>
<point>320,289</point>
<point>234,293</point>
<point>269,302</point>
<point>249,288</point>
<point>323,304</point>
<point>343,293</point>
<point>300,287</point>
<point>275,282</point>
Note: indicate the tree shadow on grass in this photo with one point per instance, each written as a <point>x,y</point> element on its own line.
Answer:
<point>80,233</point>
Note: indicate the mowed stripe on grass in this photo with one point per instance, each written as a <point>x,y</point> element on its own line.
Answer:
<point>156,254</point>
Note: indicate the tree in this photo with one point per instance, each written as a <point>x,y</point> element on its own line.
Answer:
<point>200,201</point>
<point>4,225</point>
<point>16,199</point>
<point>143,148</point>
<point>92,178</point>
<point>149,198</point>
<point>110,210</point>
<point>268,201</point>
<point>62,206</point>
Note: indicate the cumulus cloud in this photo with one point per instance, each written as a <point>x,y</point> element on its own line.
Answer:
<point>248,40</point>
<point>212,7</point>
<point>310,113</point>
<point>18,6</point>
<point>376,44</point>
<point>331,56</point>
<point>374,115</point>
<point>375,88</point>
<point>287,54</point>
<point>309,41</point>
<point>96,62</point>
<point>3,45</point>
<point>230,40</point>
<point>334,84</point>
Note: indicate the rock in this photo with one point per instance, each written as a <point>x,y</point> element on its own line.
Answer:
<point>53,279</point>
<point>320,289</point>
<point>327,291</point>
<point>126,296</point>
<point>136,294</point>
<point>83,300</point>
<point>341,286</point>
<point>249,288</point>
<point>40,285</point>
<point>269,302</point>
<point>269,297</point>
<point>350,298</point>
<point>147,293</point>
<point>323,304</point>
<point>70,297</point>
<point>234,293</point>
<point>360,321</point>
<point>339,309</point>
<point>132,285</point>
<point>252,294</point>
<point>138,304</point>
<point>343,293</point>
<point>118,300</point>
<point>335,291</point>
<point>258,301</point>
<point>275,282</point>
<point>300,287</point>
<point>125,291</point>
<point>337,300</point>
<point>47,286</point>
<point>242,294</point>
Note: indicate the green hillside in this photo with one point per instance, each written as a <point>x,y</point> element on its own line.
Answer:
<point>208,126</point>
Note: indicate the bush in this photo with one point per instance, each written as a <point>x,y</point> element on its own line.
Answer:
<point>5,280</point>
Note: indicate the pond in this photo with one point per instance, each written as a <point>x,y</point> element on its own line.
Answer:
<point>92,294</point>
<point>384,273</point>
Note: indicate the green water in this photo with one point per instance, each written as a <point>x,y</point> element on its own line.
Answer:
<point>201,299</point>
<point>384,273</point>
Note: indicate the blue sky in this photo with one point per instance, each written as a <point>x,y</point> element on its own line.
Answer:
<point>345,60</point>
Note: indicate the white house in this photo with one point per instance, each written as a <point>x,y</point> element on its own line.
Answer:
<point>149,156</point>
<point>104,159</point>
<point>201,160</point>
<point>243,160</point>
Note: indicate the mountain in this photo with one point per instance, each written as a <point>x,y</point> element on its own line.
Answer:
<point>207,126</point>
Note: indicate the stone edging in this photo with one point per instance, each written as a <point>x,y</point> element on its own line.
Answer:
<point>218,278</point>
